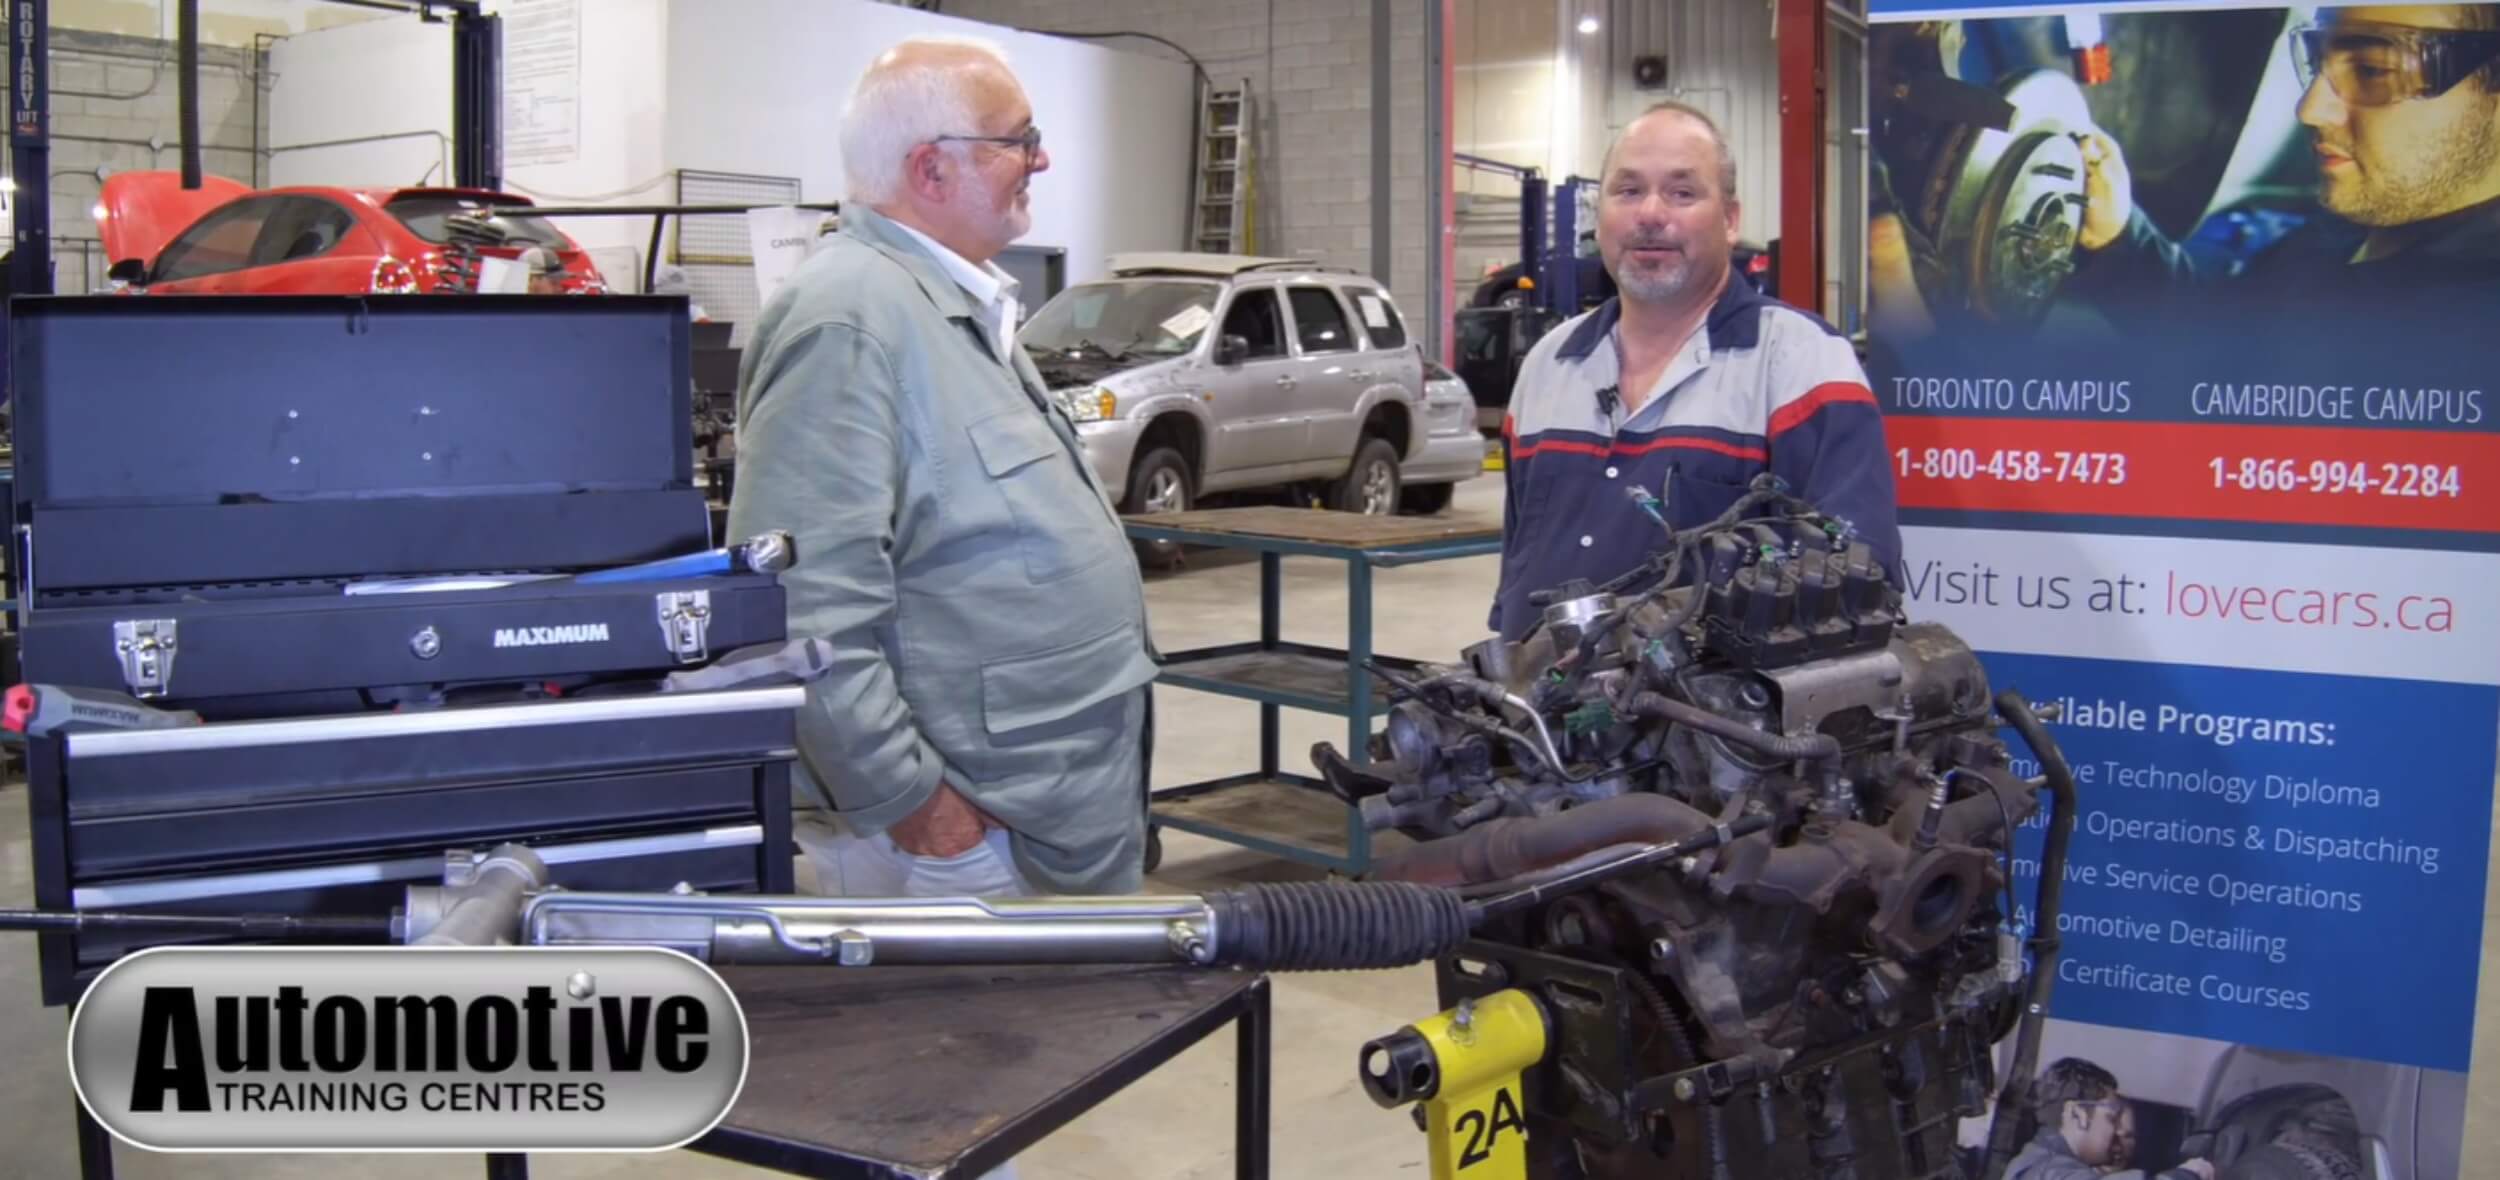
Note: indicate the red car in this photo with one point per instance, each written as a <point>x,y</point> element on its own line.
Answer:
<point>226,238</point>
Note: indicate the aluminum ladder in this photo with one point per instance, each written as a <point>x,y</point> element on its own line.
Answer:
<point>1220,221</point>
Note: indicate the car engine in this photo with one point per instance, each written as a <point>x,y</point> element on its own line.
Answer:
<point>1818,998</point>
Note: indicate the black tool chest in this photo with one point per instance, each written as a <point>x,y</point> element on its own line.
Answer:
<point>346,532</point>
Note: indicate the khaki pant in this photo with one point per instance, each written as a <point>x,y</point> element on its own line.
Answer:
<point>854,866</point>
<point>851,866</point>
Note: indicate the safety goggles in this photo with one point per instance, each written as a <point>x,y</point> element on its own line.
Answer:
<point>1030,141</point>
<point>2114,1108</point>
<point>2376,65</point>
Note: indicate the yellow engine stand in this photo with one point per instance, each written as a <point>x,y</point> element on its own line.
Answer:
<point>1465,1065</point>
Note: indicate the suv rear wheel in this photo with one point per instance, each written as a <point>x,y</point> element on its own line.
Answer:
<point>1372,484</point>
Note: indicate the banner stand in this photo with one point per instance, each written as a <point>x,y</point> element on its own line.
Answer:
<point>2182,326</point>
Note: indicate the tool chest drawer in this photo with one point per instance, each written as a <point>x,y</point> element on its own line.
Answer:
<point>338,815</point>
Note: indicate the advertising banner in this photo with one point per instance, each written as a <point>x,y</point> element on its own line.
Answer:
<point>2182,319</point>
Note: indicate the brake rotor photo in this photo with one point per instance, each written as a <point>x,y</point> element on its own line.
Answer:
<point>2013,208</point>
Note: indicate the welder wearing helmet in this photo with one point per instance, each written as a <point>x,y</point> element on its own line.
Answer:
<point>2402,108</point>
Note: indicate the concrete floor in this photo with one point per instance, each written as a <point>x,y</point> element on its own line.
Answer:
<point>1174,1124</point>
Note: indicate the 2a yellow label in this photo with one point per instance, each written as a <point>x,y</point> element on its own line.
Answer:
<point>1485,1137</point>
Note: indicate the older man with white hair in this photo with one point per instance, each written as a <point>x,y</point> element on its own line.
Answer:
<point>984,728</point>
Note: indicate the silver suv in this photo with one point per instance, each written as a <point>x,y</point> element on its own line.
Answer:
<point>1195,374</point>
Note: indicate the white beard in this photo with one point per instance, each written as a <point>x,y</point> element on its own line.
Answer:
<point>1012,222</point>
<point>1657,284</point>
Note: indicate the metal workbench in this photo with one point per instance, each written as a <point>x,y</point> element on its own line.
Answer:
<point>947,1072</point>
<point>1273,810</point>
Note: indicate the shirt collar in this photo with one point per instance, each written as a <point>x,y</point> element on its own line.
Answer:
<point>986,283</point>
<point>1729,325</point>
<point>2470,233</point>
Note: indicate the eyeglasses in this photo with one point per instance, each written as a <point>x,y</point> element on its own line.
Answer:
<point>1030,141</point>
<point>2375,65</point>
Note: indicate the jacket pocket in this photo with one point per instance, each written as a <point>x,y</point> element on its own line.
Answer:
<point>1059,522</point>
<point>1040,689</point>
<point>1697,499</point>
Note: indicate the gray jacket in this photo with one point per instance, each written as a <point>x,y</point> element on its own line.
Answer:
<point>2047,1157</point>
<point>956,550</point>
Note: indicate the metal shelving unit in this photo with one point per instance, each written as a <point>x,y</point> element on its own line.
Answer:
<point>1273,810</point>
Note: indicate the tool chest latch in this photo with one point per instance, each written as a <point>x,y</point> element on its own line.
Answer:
<point>686,624</point>
<point>146,648</point>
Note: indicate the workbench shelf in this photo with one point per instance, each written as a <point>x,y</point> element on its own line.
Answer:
<point>1272,810</point>
<point>1294,675</point>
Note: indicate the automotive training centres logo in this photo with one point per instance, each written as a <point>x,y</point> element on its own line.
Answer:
<point>408,1048</point>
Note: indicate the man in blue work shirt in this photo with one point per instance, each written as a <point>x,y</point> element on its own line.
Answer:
<point>982,731</point>
<point>1687,384</point>
<point>2087,1131</point>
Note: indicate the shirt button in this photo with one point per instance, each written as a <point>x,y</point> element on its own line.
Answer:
<point>1585,542</point>
<point>1610,473</point>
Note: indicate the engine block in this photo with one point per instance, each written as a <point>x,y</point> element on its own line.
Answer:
<point>1819,998</point>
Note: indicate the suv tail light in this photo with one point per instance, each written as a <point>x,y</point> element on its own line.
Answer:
<point>393,277</point>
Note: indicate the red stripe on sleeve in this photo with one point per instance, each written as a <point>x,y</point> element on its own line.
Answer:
<point>1830,393</point>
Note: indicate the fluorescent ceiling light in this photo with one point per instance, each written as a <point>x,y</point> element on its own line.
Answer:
<point>1588,24</point>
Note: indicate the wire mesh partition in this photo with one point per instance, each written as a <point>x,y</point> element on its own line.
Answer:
<point>715,250</point>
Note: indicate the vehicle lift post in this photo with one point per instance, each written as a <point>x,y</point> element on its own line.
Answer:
<point>1550,261</point>
<point>1799,27</point>
<point>30,146</point>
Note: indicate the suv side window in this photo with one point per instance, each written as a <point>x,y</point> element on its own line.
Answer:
<point>1255,317</point>
<point>1380,318</point>
<point>219,244</point>
<point>301,228</point>
<point>1319,320</point>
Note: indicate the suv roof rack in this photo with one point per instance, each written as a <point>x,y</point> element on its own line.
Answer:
<point>1219,265</point>
<point>1189,263</point>
<point>1310,266</point>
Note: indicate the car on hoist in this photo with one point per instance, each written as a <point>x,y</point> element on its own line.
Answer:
<point>226,238</point>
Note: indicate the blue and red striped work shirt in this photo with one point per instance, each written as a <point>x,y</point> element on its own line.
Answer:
<point>1762,387</point>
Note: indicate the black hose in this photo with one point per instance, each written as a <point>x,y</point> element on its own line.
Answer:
<point>1359,926</point>
<point>1713,1115</point>
<point>2061,778</point>
<point>1785,747</point>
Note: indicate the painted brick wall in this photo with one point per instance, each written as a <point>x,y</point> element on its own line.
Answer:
<point>1308,64</point>
<point>114,99</point>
